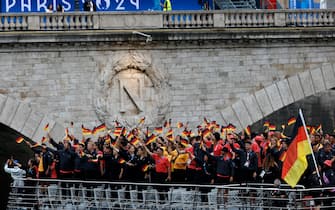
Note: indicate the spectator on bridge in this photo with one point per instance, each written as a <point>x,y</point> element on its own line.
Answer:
<point>90,6</point>
<point>157,5</point>
<point>49,9</point>
<point>167,5</point>
<point>59,8</point>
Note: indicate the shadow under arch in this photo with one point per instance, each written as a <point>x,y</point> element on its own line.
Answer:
<point>278,95</point>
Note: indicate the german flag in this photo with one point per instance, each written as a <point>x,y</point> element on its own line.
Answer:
<point>145,168</point>
<point>124,131</point>
<point>135,141</point>
<point>291,121</point>
<point>43,140</point>
<point>231,128</point>
<point>117,131</point>
<point>295,162</point>
<point>130,136</point>
<point>121,161</point>
<point>170,132</point>
<point>312,130</point>
<point>100,128</point>
<point>248,130</point>
<point>141,121</point>
<point>46,127</point>
<point>158,130</point>
<point>170,137</point>
<point>184,142</point>
<point>85,131</point>
<point>223,131</point>
<point>319,128</point>
<point>180,125</point>
<point>272,127</point>
<point>266,123</point>
<point>19,140</point>
<point>108,139</point>
<point>151,139</point>
<point>185,133</point>
<point>206,133</point>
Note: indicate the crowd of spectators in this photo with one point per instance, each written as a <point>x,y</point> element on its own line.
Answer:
<point>208,157</point>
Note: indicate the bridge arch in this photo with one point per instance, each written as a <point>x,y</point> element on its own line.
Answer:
<point>280,94</point>
<point>28,121</point>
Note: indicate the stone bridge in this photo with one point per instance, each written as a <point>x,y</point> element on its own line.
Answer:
<point>228,66</point>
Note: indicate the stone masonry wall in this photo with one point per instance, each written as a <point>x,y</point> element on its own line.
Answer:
<point>202,79</point>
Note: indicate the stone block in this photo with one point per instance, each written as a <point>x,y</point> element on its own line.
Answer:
<point>296,88</point>
<point>253,108</point>
<point>130,21</point>
<point>40,132</point>
<point>21,116</point>
<point>285,92</point>
<point>9,110</point>
<point>32,124</point>
<point>328,75</point>
<point>318,82</point>
<point>274,96</point>
<point>242,113</point>
<point>229,116</point>
<point>3,100</point>
<point>57,132</point>
<point>306,83</point>
<point>264,102</point>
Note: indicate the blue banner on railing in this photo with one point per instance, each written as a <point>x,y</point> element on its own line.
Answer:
<point>304,4</point>
<point>101,5</point>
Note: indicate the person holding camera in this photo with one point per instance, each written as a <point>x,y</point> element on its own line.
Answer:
<point>13,168</point>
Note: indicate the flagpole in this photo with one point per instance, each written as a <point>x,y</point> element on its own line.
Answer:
<point>310,145</point>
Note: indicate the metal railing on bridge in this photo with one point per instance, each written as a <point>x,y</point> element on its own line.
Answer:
<point>166,20</point>
<point>75,194</point>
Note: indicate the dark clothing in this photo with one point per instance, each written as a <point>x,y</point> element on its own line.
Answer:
<point>91,166</point>
<point>66,161</point>
<point>87,6</point>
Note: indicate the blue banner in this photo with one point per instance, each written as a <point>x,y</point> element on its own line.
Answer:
<point>101,5</point>
<point>304,4</point>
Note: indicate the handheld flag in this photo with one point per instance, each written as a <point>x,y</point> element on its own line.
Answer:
<point>145,168</point>
<point>43,140</point>
<point>46,127</point>
<point>158,130</point>
<point>266,124</point>
<point>85,131</point>
<point>272,127</point>
<point>19,140</point>
<point>291,121</point>
<point>295,162</point>
<point>151,139</point>
<point>248,130</point>
<point>180,125</point>
<point>141,121</point>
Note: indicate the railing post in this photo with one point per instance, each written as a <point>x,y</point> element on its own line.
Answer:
<point>219,20</point>
<point>33,22</point>
<point>96,22</point>
<point>280,19</point>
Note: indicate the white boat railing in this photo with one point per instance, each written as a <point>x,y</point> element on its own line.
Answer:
<point>76,194</point>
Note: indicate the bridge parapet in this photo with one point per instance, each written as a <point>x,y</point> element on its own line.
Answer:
<point>166,20</point>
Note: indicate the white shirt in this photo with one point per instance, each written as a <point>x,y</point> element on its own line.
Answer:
<point>16,173</point>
